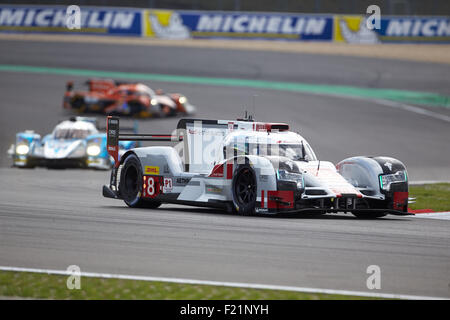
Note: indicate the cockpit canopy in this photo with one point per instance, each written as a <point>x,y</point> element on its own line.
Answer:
<point>68,130</point>
<point>283,144</point>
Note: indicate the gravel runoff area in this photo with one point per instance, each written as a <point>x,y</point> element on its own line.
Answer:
<point>436,53</point>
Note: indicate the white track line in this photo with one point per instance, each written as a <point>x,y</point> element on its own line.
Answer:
<point>404,106</point>
<point>226,284</point>
<point>433,215</point>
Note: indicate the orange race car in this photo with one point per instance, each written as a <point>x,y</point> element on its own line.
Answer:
<point>112,97</point>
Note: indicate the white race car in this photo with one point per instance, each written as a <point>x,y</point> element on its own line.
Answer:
<point>251,167</point>
<point>76,142</point>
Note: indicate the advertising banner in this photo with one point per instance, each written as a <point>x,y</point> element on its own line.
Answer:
<point>353,29</point>
<point>175,24</point>
<point>46,19</point>
<point>188,24</point>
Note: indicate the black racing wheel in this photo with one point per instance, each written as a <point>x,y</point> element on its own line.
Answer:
<point>244,190</point>
<point>130,185</point>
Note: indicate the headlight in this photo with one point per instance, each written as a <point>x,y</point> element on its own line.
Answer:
<point>291,176</point>
<point>22,149</point>
<point>182,100</point>
<point>93,150</point>
<point>154,102</point>
<point>387,179</point>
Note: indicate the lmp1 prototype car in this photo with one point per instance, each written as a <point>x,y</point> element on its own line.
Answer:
<point>73,143</point>
<point>119,98</point>
<point>251,167</point>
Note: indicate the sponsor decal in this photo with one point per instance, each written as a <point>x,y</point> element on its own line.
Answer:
<point>151,170</point>
<point>167,188</point>
<point>54,19</point>
<point>213,189</point>
<point>183,181</point>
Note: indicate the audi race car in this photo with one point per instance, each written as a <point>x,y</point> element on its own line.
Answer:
<point>73,143</point>
<point>119,98</point>
<point>251,167</point>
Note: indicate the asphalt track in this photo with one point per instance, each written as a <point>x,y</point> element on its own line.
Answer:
<point>55,218</point>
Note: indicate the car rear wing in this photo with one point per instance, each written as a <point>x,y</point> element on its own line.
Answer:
<point>113,136</point>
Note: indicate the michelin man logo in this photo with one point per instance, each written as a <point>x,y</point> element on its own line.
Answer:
<point>174,30</point>
<point>362,35</point>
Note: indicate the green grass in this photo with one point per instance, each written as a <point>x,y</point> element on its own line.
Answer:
<point>431,196</point>
<point>44,286</point>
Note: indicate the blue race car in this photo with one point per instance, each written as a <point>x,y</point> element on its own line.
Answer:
<point>74,143</point>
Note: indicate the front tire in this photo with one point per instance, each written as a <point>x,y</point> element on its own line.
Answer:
<point>130,185</point>
<point>244,188</point>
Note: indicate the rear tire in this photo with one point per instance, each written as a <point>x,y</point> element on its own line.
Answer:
<point>244,190</point>
<point>130,185</point>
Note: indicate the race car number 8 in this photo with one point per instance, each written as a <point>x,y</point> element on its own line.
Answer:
<point>151,186</point>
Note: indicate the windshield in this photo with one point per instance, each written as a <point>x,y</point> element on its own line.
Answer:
<point>295,152</point>
<point>71,134</point>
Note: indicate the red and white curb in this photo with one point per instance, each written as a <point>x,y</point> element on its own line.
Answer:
<point>227,284</point>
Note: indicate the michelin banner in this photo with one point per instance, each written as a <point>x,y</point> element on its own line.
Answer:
<point>353,29</point>
<point>207,24</point>
<point>172,24</point>
<point>350,29</point>
<point>111,21</point>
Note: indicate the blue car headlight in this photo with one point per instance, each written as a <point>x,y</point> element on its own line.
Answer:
<point>93,150</point>
<point>22,148</point>
<point>291,176</point>
<point>387,179</point>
